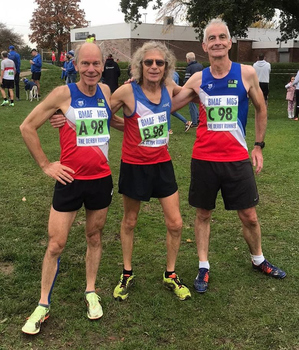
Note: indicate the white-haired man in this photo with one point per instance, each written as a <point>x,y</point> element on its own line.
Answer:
<point>220,158</point>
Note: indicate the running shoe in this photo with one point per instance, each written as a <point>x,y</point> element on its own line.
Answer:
<point>34,321</point>
<point>173,283</point>
<point>94,308</point>
<point>12,104</point>
<point>188,125</point>
<point>269,269</point>
<point>202,280</point>
<point>4,103</point>
<point>121,290</point>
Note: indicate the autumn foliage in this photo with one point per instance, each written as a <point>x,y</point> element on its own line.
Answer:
<point>52,21</point>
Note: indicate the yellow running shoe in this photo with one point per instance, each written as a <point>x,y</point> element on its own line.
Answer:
<point>94,308</point>
<point>34,321</point>
<point>121,290</point>
<point>173,283</point>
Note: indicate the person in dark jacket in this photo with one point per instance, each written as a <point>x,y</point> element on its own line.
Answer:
<point>111,73</point>
<point>71,73</point>
<point>193,67</point>
<point>13,55</point>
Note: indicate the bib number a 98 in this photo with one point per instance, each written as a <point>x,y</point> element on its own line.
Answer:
<point>91,127</point>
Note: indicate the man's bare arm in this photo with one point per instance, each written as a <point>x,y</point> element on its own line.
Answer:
<point>189,92</point>
<point>35,120</point>
<point>251,82</point>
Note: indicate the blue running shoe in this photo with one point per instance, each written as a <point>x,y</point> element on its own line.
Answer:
<point>202,280</point>
<point>269,269</point>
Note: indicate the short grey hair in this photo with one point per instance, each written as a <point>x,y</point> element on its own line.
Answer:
<point>217,21</point>
<point>190,56</point>
<point>79,47</point>
<point>137,67</point>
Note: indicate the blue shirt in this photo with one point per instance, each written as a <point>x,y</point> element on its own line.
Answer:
<point>13,55</point>
<point>37,66</point>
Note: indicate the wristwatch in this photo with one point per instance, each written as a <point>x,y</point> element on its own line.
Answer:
<point>261,144</point>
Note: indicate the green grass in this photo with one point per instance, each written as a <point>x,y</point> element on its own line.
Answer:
<point>242,310</point>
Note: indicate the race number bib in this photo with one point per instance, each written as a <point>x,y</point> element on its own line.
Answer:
<point>91,126</point>
<point>153,130</point>
<point>222,112</point>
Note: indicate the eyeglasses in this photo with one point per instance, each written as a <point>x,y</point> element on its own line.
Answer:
<point>150,62</point>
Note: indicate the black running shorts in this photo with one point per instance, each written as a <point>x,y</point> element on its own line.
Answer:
<point>94,194</point>
<point>36,76</point>
<point>235,180</point>
<point>8,84</point>
<point>141,182</point>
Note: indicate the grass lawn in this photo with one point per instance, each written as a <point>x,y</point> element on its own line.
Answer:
<point>242,310</point>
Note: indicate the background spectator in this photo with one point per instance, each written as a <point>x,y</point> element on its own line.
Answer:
<point>263,69</point>
<point>13,55</point>
<point>193,66</point>
<point>111,73</point>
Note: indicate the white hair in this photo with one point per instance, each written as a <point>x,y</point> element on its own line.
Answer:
<point>215,21</point>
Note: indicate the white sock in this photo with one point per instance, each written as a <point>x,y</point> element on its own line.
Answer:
<point>257,259</point>
<point>204,265</point>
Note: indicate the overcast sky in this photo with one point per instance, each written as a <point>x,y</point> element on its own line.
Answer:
<point>18,15</point>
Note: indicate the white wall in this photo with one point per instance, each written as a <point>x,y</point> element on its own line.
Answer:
<point>144,31</point>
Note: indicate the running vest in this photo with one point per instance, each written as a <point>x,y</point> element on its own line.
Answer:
<point>146,130</point>
<point>223,109</point>
<point>84,138</point>
<point>8,66</point>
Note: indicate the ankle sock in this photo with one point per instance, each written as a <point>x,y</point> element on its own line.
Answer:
<point>204,265</point>
<point>257,259</point>
<point>169,273</point>
<point>127,272</point>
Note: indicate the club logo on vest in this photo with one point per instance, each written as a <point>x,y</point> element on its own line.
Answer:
<point>232,83</point>
<point>80,103</point>
<point>101,102</point>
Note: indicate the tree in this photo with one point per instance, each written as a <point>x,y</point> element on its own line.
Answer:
<point>238,14</point>
<point>52,21</point>
<point>9,37</point>
<point>25,52</point>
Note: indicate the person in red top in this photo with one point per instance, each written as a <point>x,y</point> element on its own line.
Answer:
<point>53,57</point>
<point>146,169</point>
<point>83,175</point>
<point>62,58</point>
<point>220,159</point>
